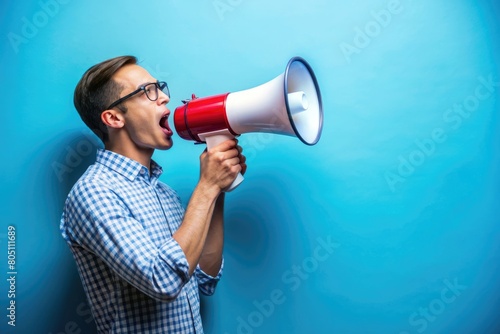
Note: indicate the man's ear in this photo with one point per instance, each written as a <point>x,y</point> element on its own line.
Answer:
<point>113,118</point>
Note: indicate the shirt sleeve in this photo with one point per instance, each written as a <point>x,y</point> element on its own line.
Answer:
<point>207,283</point>
<point>96,219</point>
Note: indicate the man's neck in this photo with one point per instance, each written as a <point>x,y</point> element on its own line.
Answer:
<point>141,155</point>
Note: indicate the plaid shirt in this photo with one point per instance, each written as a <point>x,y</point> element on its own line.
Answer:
<point>118,222</point>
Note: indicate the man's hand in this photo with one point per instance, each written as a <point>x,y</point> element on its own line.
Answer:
<point>221,164</point>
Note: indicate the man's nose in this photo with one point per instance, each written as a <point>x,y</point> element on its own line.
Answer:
<point>162,98</point>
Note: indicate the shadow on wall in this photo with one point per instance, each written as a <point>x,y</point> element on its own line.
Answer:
<point>67,158</point>
<point>264,233</point>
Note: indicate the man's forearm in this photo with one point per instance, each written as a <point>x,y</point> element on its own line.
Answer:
<point>211,257</point>
<point>192,234</point>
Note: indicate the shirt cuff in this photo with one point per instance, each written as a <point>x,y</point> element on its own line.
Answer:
<point>206,282</point>
<point>172,254</point>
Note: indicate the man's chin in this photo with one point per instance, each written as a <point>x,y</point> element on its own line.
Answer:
<point>167,146</point>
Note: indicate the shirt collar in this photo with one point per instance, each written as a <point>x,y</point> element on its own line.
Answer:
<point>127,167</point>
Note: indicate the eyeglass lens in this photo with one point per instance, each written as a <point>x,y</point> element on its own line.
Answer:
<point>151,90</point>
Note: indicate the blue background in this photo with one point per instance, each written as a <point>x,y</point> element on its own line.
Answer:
<point>403,186</point>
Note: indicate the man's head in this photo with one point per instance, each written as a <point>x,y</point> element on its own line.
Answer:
<point>136,119</point>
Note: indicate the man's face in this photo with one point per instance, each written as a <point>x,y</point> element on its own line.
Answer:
<point>143,116</point>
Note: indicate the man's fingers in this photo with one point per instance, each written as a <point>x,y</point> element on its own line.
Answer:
<point>226,145</point>
<point>233,161</point>
<point>232,153</point>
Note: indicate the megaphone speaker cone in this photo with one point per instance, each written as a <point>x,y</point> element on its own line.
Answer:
<point>290,104</point>
<point>299,78</point>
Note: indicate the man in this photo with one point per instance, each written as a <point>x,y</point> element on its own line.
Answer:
<point>141,257</point>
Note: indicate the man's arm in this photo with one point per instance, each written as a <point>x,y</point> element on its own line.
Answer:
<point>219,167</point>
<point>211,256</point>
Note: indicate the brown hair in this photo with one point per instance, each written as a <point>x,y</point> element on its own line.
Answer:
<point>96,90</point>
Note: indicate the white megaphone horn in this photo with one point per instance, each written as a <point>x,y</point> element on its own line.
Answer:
<point>289,105</point>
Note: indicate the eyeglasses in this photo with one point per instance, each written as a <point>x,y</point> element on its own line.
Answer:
<point>150,89</point>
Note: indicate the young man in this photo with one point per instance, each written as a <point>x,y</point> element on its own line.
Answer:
<point>141,257</point>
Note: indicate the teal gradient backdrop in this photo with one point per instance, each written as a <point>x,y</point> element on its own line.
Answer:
<point>388,225</point>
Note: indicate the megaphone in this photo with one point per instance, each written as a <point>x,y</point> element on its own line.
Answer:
<point>290,104</point>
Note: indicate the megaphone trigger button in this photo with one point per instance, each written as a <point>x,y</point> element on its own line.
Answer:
<point>193,97</point>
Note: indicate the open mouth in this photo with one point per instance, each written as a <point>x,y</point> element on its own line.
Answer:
<point>164,125</point>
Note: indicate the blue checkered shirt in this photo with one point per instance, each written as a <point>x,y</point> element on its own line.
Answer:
<point>118,222</point>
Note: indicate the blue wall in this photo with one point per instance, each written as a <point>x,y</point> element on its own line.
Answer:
<point>388,225</point>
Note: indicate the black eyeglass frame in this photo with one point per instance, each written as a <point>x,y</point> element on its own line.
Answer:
<point>159,85</point>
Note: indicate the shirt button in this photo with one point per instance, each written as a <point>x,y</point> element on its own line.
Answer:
<point>142,171</point>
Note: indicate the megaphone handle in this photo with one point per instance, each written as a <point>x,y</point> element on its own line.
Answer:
<point>216,139</point>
